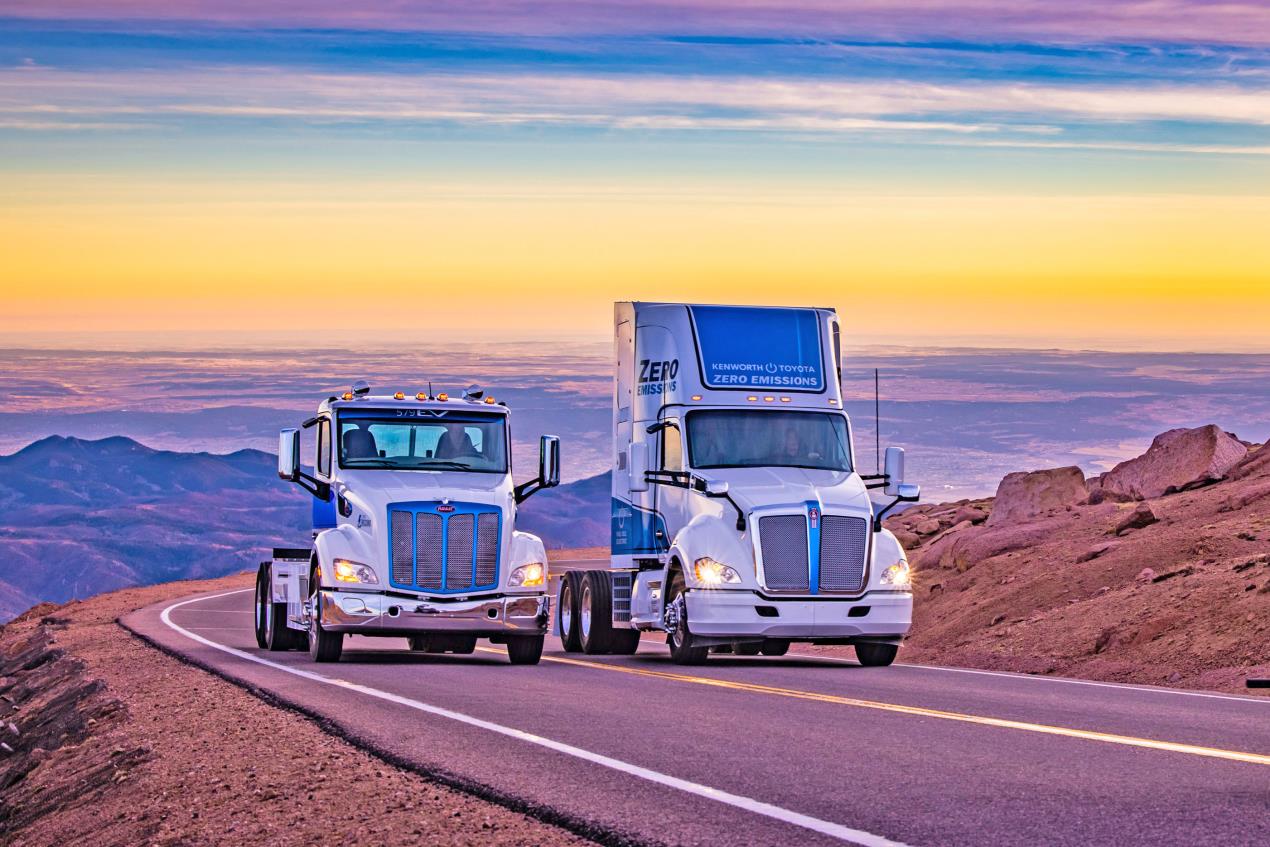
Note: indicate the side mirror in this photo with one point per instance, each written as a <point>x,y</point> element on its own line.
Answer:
<point>549,461</point>
<point>289,455</point>
<point>910,491</point>
<point>716,488</point>
<point>894,471</point>
<point>637,466</point>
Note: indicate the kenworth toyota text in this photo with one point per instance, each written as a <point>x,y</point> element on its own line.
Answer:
<point>414,533</point>
<point>740,522</point>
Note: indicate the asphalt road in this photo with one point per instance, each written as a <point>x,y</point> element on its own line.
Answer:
<point>796,750</point>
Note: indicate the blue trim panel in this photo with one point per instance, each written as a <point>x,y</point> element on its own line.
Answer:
<point>433,508</point>
<point>815,517</point>
<point>324,513</point>
<point>633,530</point>
<point>753,348</point>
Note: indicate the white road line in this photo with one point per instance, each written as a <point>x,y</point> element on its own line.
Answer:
<point>833,830</point>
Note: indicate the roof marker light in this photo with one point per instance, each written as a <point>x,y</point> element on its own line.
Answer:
<point>696,397</point>
<point>832,402</point>
<point>768,399</point>
<point>443,396</point>
<point>422,395</point>
<point>751,398</point>
<point>399,396</point>
<point>347,395</point>
<point>784,399</point>
<point>489,401</point>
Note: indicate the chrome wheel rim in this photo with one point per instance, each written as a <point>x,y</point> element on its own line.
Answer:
<point>566,613</point>
<point>586,612</point>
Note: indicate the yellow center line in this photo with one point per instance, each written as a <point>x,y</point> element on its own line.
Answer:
<point>918,711</point>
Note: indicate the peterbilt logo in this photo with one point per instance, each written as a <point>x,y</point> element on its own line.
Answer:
<point>445,507</point>
<point>813,515</point>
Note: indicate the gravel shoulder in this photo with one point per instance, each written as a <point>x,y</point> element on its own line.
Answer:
<point>108,741</point>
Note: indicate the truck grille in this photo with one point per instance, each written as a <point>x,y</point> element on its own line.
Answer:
<point>842,553</point>
<point>784,542</point>
<point>443,552</point>
<point>844,545</point>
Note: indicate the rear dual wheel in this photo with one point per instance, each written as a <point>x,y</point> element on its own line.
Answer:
<point>272,632</point>
<point>585,614</point>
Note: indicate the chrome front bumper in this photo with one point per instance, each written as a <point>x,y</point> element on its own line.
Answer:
<point>379,614</point>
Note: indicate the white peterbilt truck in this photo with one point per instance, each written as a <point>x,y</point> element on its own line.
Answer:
<point>414,535</point>
<point>740,522</point>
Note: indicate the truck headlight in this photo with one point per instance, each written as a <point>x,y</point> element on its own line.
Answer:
<point>529,576</point>
<point>897,575</point>
<point>346,570</point>
<point>710,572</point>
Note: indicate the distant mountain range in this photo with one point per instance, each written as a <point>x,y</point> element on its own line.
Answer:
<point>82,517</point>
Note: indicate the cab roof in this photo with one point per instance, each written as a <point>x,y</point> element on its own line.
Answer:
<point>392,401</point>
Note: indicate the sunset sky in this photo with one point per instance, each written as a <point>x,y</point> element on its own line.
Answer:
<point>1072,174</point>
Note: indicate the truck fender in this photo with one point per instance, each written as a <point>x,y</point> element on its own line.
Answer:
<point>707,535</point>
<point>345,542</point>
<point>526,548</point>
<point>887,551</point>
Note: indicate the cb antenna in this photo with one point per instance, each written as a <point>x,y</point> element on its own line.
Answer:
<point>877,421</point>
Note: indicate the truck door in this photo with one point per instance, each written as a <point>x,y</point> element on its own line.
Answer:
<point>672,503</point>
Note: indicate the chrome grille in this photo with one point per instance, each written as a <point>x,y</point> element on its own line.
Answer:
<point>428,544</point>
<point>443,547</point>
<point>486,548</point>
<point>783,539</point>
<point>403,555</point>
<point>844,544</point>
<point>458,552</point>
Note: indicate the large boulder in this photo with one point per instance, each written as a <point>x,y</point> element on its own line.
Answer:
<point>1177,460</point>
<point>1026,495</point>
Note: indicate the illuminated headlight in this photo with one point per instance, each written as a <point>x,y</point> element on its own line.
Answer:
<point>710,572</point>
<point>897,575</point>
<point>528,576</point>
<point>347,570</point>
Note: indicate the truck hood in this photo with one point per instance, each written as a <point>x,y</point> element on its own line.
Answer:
<point>374,490</point>
<point>762,488</point>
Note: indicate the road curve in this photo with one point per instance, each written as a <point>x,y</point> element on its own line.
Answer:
<point>797,750</point>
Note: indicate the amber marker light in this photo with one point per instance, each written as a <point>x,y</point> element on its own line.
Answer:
<point>347,395</point>
<point>785,399</point>
<point>399,396</point>
<point>421,396</point>
<point>489,401</point>
<point>751,398</point>
<point>696,397</point>
<point>443,396</point>
<point>768,399</point>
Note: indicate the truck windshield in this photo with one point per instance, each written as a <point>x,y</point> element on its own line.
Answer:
<point>456,442</point>
<point>760,439</point>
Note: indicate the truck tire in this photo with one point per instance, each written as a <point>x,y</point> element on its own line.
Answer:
<point>323,646</point>
<point>774,648</point>
<point>679,638</point>
<point>595,613</point>
<point>272,632</point>
<point>525,649</point>
<point>876,655</point>
<point>567,611</point>
<point>261,600</point>
<point>625,642</point>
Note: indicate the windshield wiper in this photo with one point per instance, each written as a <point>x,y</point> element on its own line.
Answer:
<point>447,463</point>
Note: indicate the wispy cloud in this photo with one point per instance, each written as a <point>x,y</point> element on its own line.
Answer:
<point>623,102</point>
<point>1190,21</point>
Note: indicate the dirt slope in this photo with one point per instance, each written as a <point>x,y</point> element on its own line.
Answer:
<point>1183,600</point>
<point>106,741</point>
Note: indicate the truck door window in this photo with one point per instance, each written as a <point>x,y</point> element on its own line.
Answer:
<point>672,456</point>
<point>324,447</point>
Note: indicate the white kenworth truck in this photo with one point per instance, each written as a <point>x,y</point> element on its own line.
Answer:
<point>414,535</point>
<point>740,522</point>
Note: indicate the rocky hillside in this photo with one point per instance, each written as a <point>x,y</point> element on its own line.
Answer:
<point>1157,571</point>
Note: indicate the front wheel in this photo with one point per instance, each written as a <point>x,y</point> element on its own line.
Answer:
<point>323,646</point>
<point>774,648</point>
<point>678,636</point>
<point>876,655</point>
<point>525,649</point>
